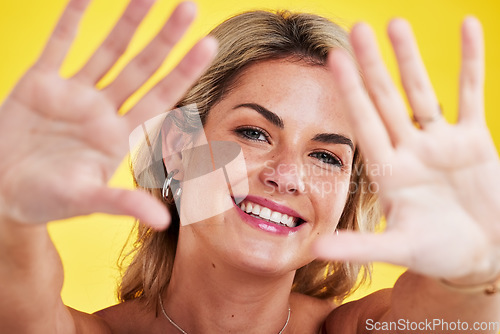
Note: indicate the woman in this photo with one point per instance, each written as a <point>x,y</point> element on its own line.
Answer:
<point>233,272</point>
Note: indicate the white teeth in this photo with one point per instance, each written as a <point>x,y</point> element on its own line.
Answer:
<point>265,213</point>
<point>249,208</point>
<point>276,217</point>
<point>268,214</point>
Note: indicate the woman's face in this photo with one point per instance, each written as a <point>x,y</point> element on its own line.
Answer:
<point>298,148</point>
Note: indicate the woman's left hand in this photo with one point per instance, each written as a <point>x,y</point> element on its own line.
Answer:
<point>440,186</point>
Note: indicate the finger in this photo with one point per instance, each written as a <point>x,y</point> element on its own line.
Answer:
<point>384,94</point>
<point>173,87</point>
<point>63,35</point>
<point>139,204</point>
<point>368,128</point>
<point>116,43</point>
<point>471,106</point>
<point>416,82</point>
<point>363,247</point>
<point>140,69</point>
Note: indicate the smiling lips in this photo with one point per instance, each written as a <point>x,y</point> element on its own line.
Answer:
<point>267,214</point>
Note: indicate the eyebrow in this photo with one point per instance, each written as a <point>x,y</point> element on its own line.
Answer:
<point>327,138</point>
<point>333,138</point>
<point>267,114</point>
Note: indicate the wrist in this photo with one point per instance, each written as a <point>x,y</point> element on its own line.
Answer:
<point>488,288</point>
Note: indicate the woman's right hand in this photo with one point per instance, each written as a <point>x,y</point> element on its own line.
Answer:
<point>62,139</point>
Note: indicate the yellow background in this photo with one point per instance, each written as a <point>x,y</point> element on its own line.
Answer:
<point>89,246</point>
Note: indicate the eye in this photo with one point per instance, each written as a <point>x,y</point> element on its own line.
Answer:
<point>252,133</point>
<point>327,158</point>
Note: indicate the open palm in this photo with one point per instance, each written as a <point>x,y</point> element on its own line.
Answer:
<point>63,138</point>
<point>439,190</point>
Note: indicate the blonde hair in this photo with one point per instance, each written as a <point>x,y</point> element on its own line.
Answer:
<point>244,40</point>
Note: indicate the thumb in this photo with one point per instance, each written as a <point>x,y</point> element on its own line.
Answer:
<point>136,203</point>
<point>363,247</point>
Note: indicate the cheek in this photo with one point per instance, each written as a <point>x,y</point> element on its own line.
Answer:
<point>255,161</point>
<point>328,184</point>
<point>331,196</point>
<point>216,172</point>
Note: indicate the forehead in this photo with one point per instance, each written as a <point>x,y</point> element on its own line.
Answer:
<point>295,90</point>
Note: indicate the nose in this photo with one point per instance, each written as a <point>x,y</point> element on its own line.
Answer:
<point>283,175</point>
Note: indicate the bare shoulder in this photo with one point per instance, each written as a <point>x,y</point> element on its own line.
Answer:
<point>354,317</point>
<point>309,313</point>
<point>129,317</point>
<point>88,323</point>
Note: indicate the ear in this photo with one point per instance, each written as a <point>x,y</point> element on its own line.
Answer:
<point>173,142</point>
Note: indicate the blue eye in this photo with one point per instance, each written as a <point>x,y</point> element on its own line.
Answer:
<point>252,133</point>
<point>327,158</point>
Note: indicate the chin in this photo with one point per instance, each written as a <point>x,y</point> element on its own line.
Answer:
<point>251,249</point>
<point>264,257</point>
<point>261,259</point>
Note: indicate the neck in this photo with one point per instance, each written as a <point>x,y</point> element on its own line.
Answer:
<point>208,295</point>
